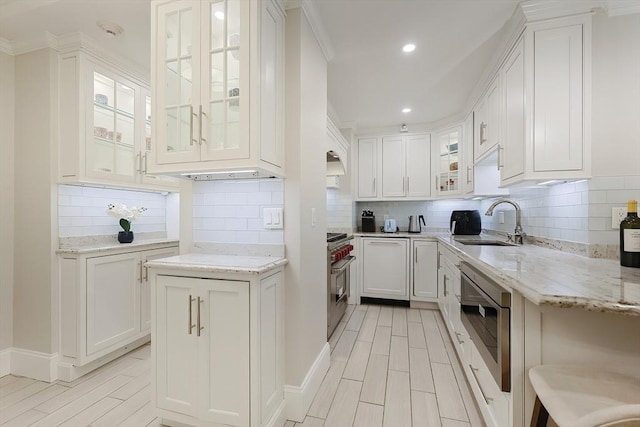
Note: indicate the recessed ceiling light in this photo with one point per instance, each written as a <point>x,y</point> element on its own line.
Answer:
<point>110,29</point>
<point>406,110</point>
<point>219,15</point>
<point>409,47</point>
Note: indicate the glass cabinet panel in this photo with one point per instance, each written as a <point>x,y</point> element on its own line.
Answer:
<point>112,149</point>
<point>448,150</point>
<point>178,80</point>
<point>225,88</point>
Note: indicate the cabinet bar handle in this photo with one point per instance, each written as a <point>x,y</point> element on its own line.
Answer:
<point>200,124</point>
<point>404,182</point>
<point>384,243</point>
<point>408,190</point>
<point>438,265</point>
<point>500,149</point>
<point>140,267</point>
<point>146,273</point>
<point>415,254</point>
<point>468,174</point>
<point>202,114</point>
<point>373,185</point>
<point>436,183</point>
<point>445,285</point>
<point>484,396</point>
<point>483,131</point>
<point>139,160</point>
<point>191,116</point>
<point>146,155</point>
<point>198,327</point>
<point>191,325</point>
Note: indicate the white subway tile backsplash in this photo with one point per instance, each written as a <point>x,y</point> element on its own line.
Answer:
<point>231,211</point>
<point>82,211</point>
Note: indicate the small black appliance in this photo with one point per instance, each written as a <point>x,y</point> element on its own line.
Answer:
<point>465,222</point>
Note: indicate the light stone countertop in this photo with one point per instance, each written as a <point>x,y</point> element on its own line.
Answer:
<point>98,246</point>
<point>547,276</point>
<point>219,263</point>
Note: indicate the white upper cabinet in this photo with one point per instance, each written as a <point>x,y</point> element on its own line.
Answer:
<point>367,168</point>
<point>511,154</point>
<point>104,126</point>
<point>487,121</point>
<point>446,157</point>
<point>467,169</point>
<point>217,80</point>
<point>557,98</point>
<point>394,167</point>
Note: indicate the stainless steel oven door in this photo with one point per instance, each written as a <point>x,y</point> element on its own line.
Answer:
<point>340,278</point>
<point>488,325</point>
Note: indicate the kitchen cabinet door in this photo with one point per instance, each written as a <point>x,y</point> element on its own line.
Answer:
<point>113,300</point>
<point>177,345</point>
<point>425,271</point>
<point>418,166</point>
<point>367,161</point>
<point>446,157</point>
<point>467,169</point>
<point>558,99</point>
<point>487,121</point>
<point>511,150</point>
<point>385,268</point>
<point>223,350</point>
<point>145,285</point>
<point>393,167</point>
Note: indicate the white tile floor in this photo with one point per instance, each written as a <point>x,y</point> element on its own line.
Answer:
<point>390,367</point>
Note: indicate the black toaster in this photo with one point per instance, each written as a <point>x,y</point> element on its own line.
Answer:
<point>466,222</point>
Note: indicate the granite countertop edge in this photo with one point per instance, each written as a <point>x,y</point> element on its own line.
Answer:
<point>105,247</point>
<point>211,265</point>
<point>591,303</point>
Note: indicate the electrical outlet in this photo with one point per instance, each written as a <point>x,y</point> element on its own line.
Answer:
<point>617,215</point>
<point>501,217</point>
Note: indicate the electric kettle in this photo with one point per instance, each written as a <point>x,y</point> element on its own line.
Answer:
<point>414,223</point>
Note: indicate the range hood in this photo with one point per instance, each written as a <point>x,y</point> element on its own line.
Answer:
<point>337,152</point>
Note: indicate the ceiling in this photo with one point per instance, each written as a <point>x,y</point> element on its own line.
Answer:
<point>370,78</point>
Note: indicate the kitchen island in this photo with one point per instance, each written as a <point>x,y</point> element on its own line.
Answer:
<point>217,340</point>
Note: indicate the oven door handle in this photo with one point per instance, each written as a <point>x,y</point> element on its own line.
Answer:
<point>341,265</point>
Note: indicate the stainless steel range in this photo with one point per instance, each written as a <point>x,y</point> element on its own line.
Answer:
<point>338,277</point>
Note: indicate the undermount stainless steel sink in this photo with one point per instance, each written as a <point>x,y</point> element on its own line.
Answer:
<point>486,242</point>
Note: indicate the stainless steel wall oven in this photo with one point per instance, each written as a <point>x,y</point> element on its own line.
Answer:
<point>485,313</point>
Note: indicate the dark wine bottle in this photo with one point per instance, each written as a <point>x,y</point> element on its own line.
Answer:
<point>630,237</point>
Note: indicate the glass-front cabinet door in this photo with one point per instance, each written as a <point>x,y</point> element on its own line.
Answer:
<point>447,159</point>
<point>202,79</point>
<point>177,76</point>
<point>111,149</point>
<point>225,45</point>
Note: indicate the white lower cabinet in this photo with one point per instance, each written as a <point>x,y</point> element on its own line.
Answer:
<point>217,348</point>
<point>424,278</point>
<point>104,306</point>
<point>492,402</point>
<point>385,268</point>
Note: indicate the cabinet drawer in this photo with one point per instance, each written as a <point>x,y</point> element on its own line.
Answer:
<point>493,403</point>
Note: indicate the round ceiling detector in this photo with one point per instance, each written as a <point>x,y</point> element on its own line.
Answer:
<point>109,28</point>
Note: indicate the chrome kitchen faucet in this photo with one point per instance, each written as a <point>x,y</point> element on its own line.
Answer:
<point>518,236</point>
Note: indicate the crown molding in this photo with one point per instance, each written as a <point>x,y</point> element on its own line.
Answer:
<point>44,40</point>
<point>5,46</point>
<point>622,7</point>
<point>309,9</point>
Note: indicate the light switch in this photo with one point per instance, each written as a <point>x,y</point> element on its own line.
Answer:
<point>272,218</point>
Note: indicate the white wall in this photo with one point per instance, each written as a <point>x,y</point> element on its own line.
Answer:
<point>616,95</point>
<point>36,234</point>
<point>7,198</point>
<point>82,211</point>
<point>231,211</point>
<point>305,189</point>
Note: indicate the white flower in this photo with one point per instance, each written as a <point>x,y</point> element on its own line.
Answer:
<point>125,214</point>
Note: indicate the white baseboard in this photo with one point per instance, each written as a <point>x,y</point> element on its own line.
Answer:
<point>279,416</point>
<point>5,362</point>
<point>299,398</point>
<point>34,364</point>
